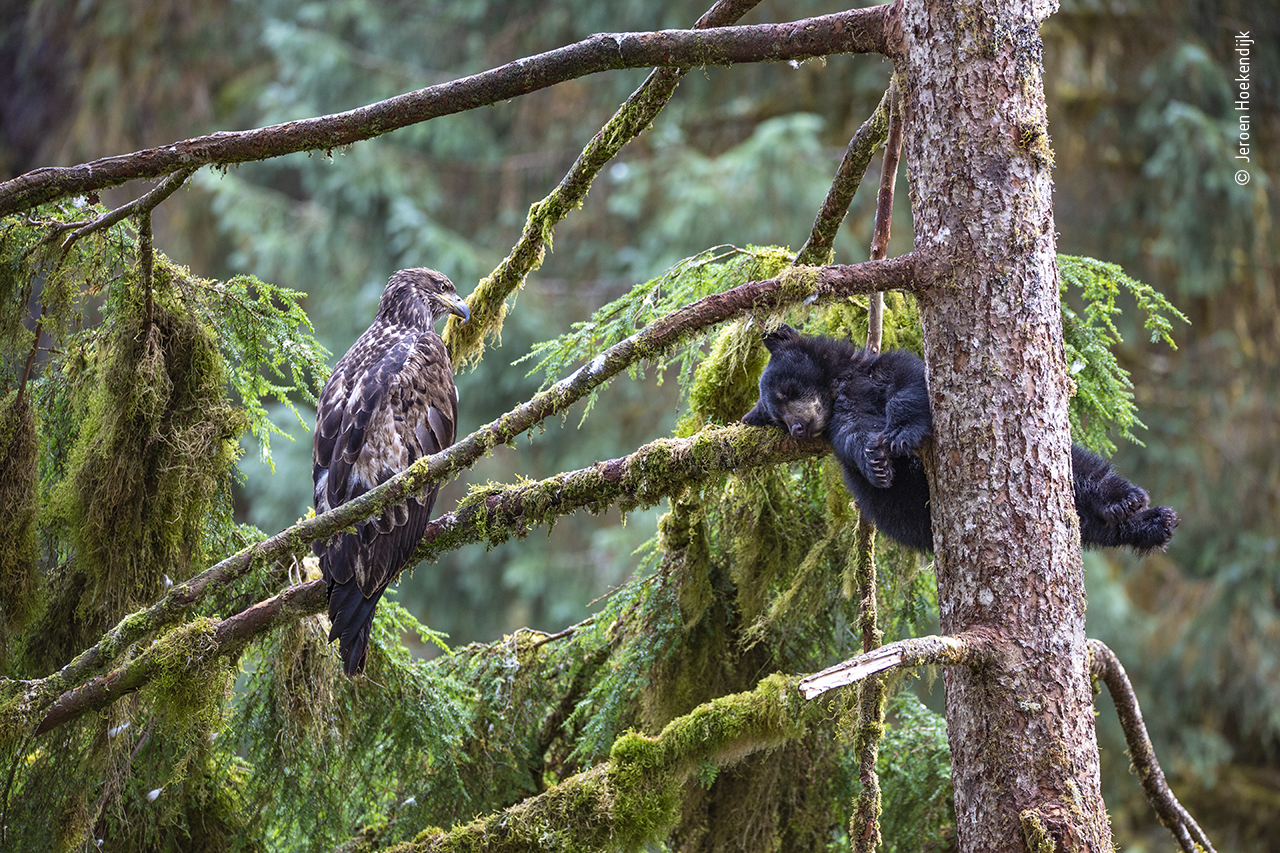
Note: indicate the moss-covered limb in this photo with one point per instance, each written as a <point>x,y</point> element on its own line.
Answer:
<point>488,302</point>
<point>972,648</point>
<point>661,469</point>
<point>853,167</point>
<point>215,640</point>
<point>635,797</point>
<point>864,823</point>
<point>855,31</point>
<point>1105,666</point>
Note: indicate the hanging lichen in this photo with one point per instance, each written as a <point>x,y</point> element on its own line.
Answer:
<point>154,448</point>
<point>724,386</point>
<point>18,577</point>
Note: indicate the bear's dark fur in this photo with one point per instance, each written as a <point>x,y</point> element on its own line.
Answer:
<point>873,408</point>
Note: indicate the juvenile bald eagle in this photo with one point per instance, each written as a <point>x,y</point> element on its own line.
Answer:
<point>390,400</point>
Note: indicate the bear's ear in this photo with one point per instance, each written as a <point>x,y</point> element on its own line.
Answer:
<point>781,336</point>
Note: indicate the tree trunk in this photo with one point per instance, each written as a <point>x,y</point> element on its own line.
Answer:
<point>1024,749</point>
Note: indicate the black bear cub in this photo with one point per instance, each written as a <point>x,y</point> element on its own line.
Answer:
<point>873,408</point>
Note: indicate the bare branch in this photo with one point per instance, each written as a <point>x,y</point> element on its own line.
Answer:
<point>884,207</point>
<point>1105,666</point>
<point>488,301</point>
<point>968,649</point>
<point>872,30</point>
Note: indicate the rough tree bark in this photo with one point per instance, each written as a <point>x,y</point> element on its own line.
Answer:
<point>1024,750</point>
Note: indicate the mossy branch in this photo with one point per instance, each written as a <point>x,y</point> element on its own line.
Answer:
<point>971,648</point>
<point>869,136</point>
<point>216,640</point>
<point>663,468</point>
<point>1105,666</point>
<point>872,30</point>
<point>488,301</point>
<point>635,797</point>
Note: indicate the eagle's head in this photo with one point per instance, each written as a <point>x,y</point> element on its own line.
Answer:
<point>419,297</point>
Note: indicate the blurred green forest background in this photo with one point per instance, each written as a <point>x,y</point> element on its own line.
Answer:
<point>1144,130</point>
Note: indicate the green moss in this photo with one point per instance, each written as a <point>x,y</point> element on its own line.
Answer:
<point>724,386</point>
<point>19,581</point>
<point>152,458</point>
<point>190,679</point>
<point>1036,834</point>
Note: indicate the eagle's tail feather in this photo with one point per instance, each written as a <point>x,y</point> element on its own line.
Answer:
<point>351,614</point>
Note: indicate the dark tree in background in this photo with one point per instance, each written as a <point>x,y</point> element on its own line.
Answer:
<point>166,681</point>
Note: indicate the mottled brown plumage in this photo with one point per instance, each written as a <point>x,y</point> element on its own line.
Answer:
<point>390,400</point>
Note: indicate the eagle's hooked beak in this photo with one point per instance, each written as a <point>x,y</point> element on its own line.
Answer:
<point>456,306</point>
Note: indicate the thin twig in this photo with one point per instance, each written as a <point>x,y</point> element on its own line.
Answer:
<point>31,356</point>
<point>884,208</point>
<point>864,824</point>
<point>1105,666</point>
<point>142,205</point>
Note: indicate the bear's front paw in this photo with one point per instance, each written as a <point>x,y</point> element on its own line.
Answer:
<point>1132,502</point>
<point>1149,529</point>
<point>879,466</point>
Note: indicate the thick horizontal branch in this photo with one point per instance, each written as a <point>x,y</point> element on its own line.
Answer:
<point>662,468</point>
<point>972,648</point>
<point>1105,666</point>
<point>855,31</point>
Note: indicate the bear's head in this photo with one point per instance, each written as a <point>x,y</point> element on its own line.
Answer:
<point>794,388</point>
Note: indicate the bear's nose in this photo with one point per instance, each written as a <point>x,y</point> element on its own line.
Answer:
<point>798,430</point>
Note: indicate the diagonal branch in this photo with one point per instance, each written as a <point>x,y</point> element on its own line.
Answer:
<point>141,206</point>
<point>488,301</point>
<point>869,136</point>
<point>661,469</point>
<point>872,30</point>
<point>630,801</point>
<point>1105,666</point>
